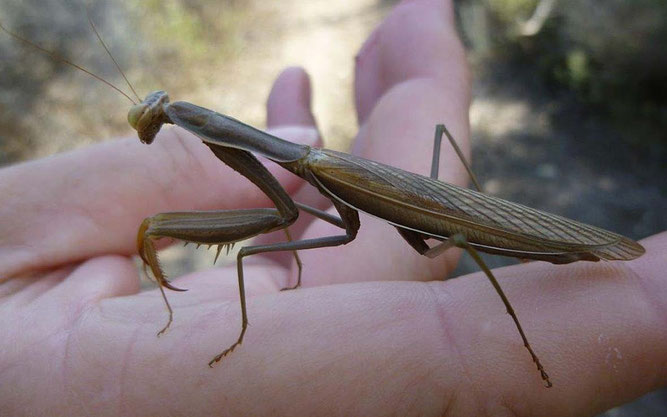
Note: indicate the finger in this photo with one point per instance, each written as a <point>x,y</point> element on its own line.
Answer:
<point>406,348</point>
<point>425,82</point>
<point>90,201</point>
<point>98,278</point>
<point>419,40</point>
<point>90,281</point>
<point>47,308</point>
<point>415,66</point>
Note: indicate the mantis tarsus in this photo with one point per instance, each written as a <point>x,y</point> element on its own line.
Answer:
<point>419,207</point>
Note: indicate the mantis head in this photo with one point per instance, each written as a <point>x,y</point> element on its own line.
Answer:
<point>148,116</point>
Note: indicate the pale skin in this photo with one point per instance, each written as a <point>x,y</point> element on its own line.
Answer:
<point>77,338</point>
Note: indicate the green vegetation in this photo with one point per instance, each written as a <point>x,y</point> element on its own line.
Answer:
<point>611,55</point>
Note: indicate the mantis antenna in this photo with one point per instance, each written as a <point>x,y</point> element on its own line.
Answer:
<point>57,57</point>
<point>92,25</point>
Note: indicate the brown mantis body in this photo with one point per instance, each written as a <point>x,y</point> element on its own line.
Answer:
<point>419,207</point>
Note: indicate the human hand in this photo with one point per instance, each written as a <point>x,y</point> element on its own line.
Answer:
<point>78,339</point>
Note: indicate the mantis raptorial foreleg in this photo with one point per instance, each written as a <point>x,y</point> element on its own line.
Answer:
<point>224,227</point>
<point>216,228</point>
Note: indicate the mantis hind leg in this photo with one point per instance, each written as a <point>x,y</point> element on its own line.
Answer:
<point>458,240</point>
<point>435,164</point>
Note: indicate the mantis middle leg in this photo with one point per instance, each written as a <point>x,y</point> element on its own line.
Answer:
<point>349,220</point>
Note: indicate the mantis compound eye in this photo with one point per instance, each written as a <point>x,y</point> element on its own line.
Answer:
<point>148,116</point>
<point>135,113</point>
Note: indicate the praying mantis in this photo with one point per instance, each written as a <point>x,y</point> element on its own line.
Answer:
<point>419,207</point>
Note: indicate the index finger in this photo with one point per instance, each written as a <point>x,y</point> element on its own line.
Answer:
<point>91,201</point>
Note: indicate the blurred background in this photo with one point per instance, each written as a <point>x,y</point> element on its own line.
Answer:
<point>570,96</point>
